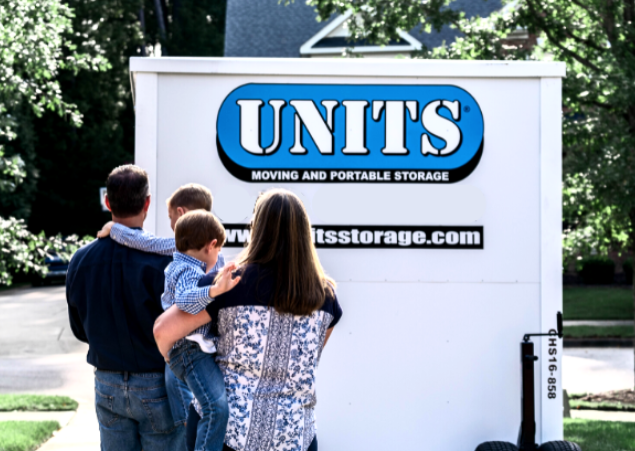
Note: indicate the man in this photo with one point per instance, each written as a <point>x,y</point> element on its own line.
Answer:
<point>114,297</point>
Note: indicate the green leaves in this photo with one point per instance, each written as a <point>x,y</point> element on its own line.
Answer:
<point>34,48</point>
<point>21,250</point>
<point>12,172</point>
<point>596,39</point>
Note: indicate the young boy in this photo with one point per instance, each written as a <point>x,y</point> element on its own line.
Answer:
<point>199,237</point>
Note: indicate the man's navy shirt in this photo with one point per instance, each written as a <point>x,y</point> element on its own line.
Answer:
<point>114,297</point>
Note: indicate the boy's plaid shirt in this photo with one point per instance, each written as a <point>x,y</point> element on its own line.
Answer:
<point>181,287</point>
<point>181,276</point>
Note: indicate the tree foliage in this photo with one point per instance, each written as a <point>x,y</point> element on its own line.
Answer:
<point>66,165</point>
<point>35,48</point>
<point>596,39</point>
<point>23,251</point>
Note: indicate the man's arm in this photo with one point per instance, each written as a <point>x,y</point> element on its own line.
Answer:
<point>142,240</point>
<point>77,327</point>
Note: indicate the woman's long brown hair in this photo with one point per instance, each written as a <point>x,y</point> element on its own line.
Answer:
<point>281,241</point>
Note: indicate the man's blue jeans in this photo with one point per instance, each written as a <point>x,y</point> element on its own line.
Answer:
<point>179,395</point>
<point>134,412</point>
<point>199,370</point>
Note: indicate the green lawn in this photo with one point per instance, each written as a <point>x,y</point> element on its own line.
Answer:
<point>36,402</point>
<point>25,435</point>
<point>593,435</point>
<point>598,332</point>
<point>597,303</point>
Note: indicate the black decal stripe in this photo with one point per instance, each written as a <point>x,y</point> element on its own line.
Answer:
<point>245,174</point>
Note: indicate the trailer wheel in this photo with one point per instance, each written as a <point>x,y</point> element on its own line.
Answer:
<point>496,446</point>
<point>559,445</point>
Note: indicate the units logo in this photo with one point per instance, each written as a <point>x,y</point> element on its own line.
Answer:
<point>350,133</point>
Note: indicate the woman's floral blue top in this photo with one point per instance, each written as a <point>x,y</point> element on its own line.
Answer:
<point>270,362</point>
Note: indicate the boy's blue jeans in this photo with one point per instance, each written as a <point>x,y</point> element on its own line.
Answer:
<point>179,395</point>
<point>134,413</point>
<point>199,370</point>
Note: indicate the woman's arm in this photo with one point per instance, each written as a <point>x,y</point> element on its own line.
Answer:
<point>328,335</point>
<point>174,324</point>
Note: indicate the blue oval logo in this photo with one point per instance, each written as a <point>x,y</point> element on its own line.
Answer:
<point>350,133</point>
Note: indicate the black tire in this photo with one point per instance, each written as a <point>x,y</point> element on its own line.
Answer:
<point>496,446</point>
<point>559,445</point>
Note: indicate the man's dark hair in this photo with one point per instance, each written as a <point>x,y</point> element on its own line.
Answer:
<point>128,188</point>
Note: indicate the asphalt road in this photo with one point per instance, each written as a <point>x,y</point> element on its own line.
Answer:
<point>38,352</point>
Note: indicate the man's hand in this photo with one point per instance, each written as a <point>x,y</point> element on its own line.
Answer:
<point>224,281</point>
<point>105,230</point>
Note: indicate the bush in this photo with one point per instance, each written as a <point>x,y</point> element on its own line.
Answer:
<point>23,251</point>
<point>628,271</point>
<point>597,270</point>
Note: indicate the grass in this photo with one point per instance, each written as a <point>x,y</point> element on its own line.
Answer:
<point>597,303</point>
<point>593,435</point>
<point>36,403</point>
<point>598,331</point>
<point>25,435</point>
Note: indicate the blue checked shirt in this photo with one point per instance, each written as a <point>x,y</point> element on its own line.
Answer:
<point>143,241</point>
<point>181,276</point>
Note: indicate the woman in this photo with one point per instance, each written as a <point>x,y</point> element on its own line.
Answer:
<point>271,330</point>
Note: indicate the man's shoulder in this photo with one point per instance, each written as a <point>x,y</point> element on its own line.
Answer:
<point>106,249</point>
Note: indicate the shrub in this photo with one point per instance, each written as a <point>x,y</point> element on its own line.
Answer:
<point>628,270</point>
<point>597,270</point>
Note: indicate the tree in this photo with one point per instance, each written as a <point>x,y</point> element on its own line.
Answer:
<point>67,165</point>
<point>72,163</point>
<point>596,39</point>
<point>35,48</point>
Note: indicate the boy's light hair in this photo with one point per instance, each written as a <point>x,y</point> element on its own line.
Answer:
<point>191,196</point>
<point>196,229</point>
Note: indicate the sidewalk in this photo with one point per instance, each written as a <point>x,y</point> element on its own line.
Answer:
<point>598,323</point>
<point>603,415</point>
<point>39,355</point>
<point>594,370</point>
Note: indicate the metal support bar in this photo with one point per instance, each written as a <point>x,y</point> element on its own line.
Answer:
<point>527,436</point>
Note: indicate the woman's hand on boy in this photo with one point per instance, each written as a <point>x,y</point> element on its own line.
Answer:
<point>224,281</point>
<point>105,230</point>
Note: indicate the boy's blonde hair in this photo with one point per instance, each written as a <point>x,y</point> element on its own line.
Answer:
<point>191,196</point>
<point>196,229</point>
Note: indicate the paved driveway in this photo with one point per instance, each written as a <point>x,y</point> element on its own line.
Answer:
<point>39,354</point>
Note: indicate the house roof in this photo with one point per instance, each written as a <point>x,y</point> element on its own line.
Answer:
<point>269,28</point>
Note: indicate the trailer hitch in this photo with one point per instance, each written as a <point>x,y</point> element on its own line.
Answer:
<point>527,433</point>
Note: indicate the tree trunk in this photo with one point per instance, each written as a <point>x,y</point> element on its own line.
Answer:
<point>632,247</point>
<point>142,21</point>
<point>161,23</point>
